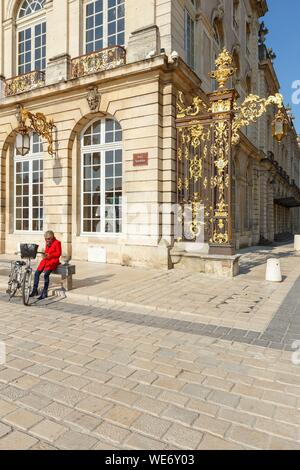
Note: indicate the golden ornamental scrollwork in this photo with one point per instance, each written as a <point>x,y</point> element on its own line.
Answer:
<point>251,110</point>
<point>194,109</point>
<point>99,61</point>
<point>23,83</point>
<point>196,169</point>
<point>39,124</point>
<point>220,182</point>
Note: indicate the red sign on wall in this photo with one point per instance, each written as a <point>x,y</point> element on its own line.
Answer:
<point>140,159</point>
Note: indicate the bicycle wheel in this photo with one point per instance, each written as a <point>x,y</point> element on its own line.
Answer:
<point>27,287</point>
<point>13,284</point>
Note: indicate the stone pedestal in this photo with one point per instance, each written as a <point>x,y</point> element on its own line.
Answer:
<point>143,43</point>
<point>218,265</point>
<point>58,69</point>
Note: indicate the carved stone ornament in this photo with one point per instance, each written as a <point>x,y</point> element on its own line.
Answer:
<point>93,99</point>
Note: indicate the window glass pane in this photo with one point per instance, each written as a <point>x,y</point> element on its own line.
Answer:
<point>28,181</point>
<point>94,26</point>
<point>106,165</point>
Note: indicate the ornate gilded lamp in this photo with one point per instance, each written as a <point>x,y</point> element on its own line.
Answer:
<point>280,126</point>
<point>38,124</point>
<point>23,141</point>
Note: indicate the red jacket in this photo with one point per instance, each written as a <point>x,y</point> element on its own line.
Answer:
<point>54,252</point>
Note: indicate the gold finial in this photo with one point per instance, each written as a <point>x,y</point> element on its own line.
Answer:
<point>224,66</point>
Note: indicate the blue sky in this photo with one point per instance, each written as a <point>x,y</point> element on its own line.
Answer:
<point>283,22</point>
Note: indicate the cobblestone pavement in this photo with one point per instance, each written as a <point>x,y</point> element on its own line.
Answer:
<point>101,377</point>
<point>246,302</point>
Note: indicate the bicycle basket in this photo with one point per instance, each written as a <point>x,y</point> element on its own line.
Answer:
<point>28,250</point>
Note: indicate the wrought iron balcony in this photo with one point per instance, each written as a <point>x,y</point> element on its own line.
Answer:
<point>21,83</point>
<point>108,58</point>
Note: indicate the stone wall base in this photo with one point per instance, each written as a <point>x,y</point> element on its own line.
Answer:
<point>219,265</point>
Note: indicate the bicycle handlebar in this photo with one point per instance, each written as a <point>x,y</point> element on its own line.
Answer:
<point>38,252</point>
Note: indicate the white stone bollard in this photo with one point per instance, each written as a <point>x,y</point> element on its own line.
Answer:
<point>273,273</point>
<point>297,243</point>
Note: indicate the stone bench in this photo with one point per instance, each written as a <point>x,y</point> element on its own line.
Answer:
<point>66,272</point>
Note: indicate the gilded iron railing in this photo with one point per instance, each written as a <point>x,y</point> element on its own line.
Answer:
<point>108,58</point>
<point>22,83</point>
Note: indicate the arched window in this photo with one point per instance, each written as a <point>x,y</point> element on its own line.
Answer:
<point>104,24</point>
<point>28,177</point>
<point>31,37</point>
<point>218,32</point>
<point>102,185</point>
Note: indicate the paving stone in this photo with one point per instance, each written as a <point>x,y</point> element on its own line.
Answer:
<point>197,391</point>
<point>147,390</point>
<point>6,408</point>
<point>210,442</point>
<point>144,377</point>
<point>26,382</point>
<point>276,428</point>
<point>183,437</point>
<point>43,446</point>
<point>98,389</point>
<point>34,401</point>
<point>122,415</point>
<point>150,405</point>
<point>75,382</point>
<point>81,421</point>
<point>118,382</point>
<point>55,376</point>
<point>151,425</point>
<point>173,397</point>
<point>111,432</point>
<point>48,430</point>
<point>282,399</point>
<point>168,383</point>
<point>4,430</point>
<point>13,393</point>
<point>17,440</point>
<point>57,410</point>
<point>94,405</point>
<point>181,415</point>
<point>249,437</point>
<point>257,407</point>
<point>23,419</point>
<point>9,375</point>
<point>238,417</point>
<point>125,397</point>
<point>283,444</point>
<point>73,440</point>
<point>224,398</point>
<point>37,370</point>
<point>139,442</point>
<point>212,425</point>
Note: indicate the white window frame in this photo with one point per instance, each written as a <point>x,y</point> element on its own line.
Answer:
<point>100,148</point>
<point>31,157</point>
<point>29,21</point>
<point>105,25</point>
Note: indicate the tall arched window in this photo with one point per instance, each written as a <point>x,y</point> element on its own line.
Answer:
<point>104,24</point>
<point>101,170</point>
<point>28,177</point>
<point>218,32</point>
<point>31,34</point>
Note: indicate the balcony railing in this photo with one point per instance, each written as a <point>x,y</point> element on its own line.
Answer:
<point>106,59</point>
<point>21,83</point>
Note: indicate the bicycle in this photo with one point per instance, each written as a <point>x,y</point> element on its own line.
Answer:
<point>21,275</point>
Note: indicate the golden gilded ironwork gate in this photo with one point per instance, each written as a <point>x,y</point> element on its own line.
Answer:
<point>206,133</point>
<point>204,170</point>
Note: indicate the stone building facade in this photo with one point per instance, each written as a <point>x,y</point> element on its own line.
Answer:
<point>108,72</point>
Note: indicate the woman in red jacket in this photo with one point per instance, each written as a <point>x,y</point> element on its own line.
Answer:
<point>47,265</point>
